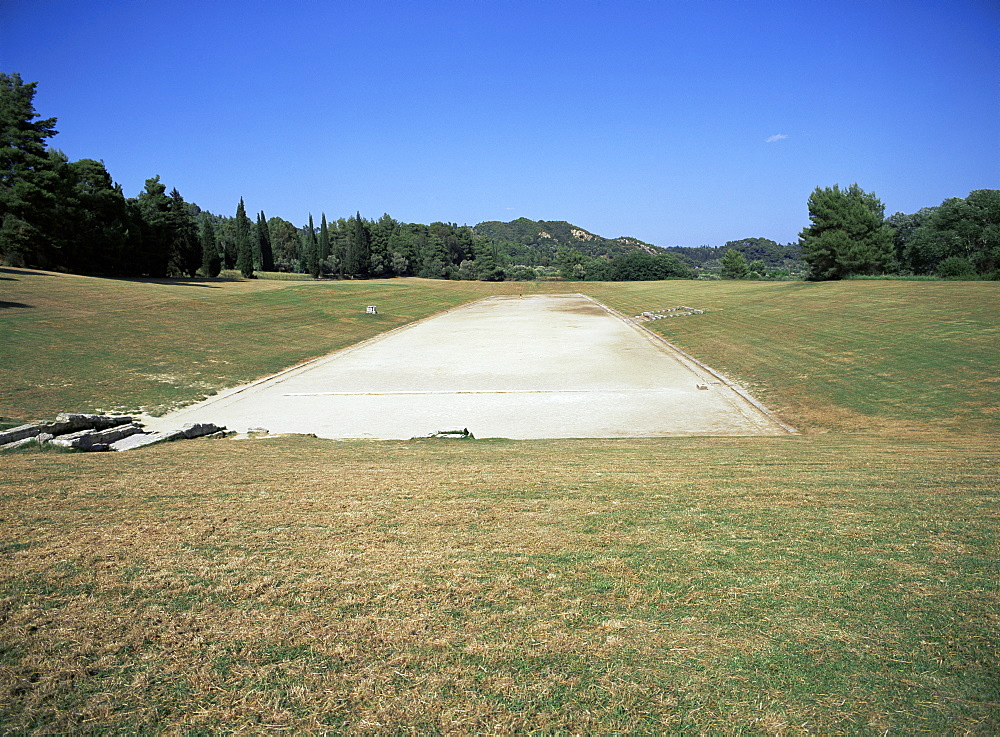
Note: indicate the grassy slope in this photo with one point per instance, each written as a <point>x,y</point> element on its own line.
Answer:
<point>843,355</point>
<point>843,580</point>
<point>81,344</point>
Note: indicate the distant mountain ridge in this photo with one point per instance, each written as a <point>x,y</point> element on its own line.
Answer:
<point>546,237</point>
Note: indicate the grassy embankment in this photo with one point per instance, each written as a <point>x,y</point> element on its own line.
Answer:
<point>843,580</point>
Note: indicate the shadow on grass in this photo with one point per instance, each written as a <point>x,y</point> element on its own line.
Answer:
<point>198,282</point>
<point>12,270</point>
<point>208,283</point>
<point>7,305</point>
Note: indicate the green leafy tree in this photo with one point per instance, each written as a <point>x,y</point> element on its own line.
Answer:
<point>403,249</point>
<point>595,269</point>
<point>284,243</point>
<point>967,229</point>
<point>734,265</point>
<point>570,263</point>
<point>486,264</point>
<point>467,271</point>
<point>244,248</point>
<point>433,255</point>
<point>225,239</point>
<point>380,258</point>
<point>956,267</point>
<point>904,228</point>
<point>28,180</point>
<point>638,265</point>
<point>457,242</point>
<point>760,249</point>
<point>211,261</point>
<point>847,235</point>
<point>92,223</point>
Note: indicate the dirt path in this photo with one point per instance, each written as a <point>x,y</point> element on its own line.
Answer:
<point>533,367</point>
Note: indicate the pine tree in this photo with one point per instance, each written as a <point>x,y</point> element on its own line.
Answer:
<point>211,262</point>
<point>734,265</point>
<point>92,223</point>
<point>153,206</point>
<point>264,244</point>
<point>28,180</point>
<point>486,264</point>
<point>244,249</point>
<point>185,250</point>
<point>848,234</point>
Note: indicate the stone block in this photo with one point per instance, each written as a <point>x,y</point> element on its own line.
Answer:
<point>21,432</point>
<point>89,439</point>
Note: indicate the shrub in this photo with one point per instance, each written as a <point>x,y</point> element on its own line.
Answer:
<point>956,267</point>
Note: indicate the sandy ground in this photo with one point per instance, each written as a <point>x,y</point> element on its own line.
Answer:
<point>532,367</point>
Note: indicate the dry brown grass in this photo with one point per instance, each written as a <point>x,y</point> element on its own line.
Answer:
<point>581,586</point>
<point>840,581</point>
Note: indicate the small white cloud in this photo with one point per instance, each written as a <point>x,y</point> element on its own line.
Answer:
<point>776,137</point>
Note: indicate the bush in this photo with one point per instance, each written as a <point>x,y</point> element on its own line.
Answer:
<point>956,267</point>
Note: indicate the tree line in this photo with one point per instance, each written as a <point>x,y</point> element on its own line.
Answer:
<point>70,215</point>
<point>848,235</point>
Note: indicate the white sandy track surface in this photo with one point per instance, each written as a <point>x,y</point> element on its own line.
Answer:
<point>532,367</point>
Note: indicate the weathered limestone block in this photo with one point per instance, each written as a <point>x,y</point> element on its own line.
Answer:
<point>196,430</point>
<point>200,429</point>
<point>96,439</point>
<point>21,432</point>
<point>68,422</point>
<point>19,443</point>
<point>140,440</point>
<point>64,423</point>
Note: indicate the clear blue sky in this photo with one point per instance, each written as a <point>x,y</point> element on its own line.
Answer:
<point>680,123</point>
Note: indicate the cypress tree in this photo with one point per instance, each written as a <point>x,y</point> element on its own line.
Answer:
<point>311,248</point>
<point>211,263</point>
<point>264,244</point>
<point>358,247</point>
<point>324,240</point>
<point>244,252</point>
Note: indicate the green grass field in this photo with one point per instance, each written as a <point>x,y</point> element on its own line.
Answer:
<point>842,580</point>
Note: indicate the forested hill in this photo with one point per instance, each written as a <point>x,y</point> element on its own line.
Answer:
<point>546,237</point>
<point>773,254</point>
